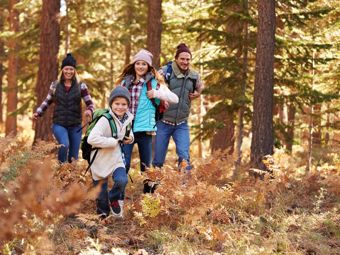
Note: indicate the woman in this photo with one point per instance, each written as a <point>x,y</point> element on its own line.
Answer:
<point>67,93</point>
<point>135,77</point>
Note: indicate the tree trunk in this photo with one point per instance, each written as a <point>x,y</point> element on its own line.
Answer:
<point>2,53</point>
<point>291,128</point>
<point>127,42</point>
<point>224,137</point>
<point>240,124</point>
<point>154,31</point>
<point>310,140</point>
<point>317,125</point>
<point>67,28</point>
<point>12,97</point>
<point>328,124</point>
<point>48,63</point>
<point>128,51</point>
<point>262,123</point>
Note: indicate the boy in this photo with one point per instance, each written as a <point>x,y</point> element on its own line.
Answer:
<point>109,159</point>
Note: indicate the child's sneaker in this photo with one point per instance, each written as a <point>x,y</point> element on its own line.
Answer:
<point>102,216</point>
<point>149,186</point>
<point>121,204</point>
<point>115,208</point>
<point>103,209</point>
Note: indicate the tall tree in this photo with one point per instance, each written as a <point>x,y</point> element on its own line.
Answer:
<point>241,111</point>
<point>48,62</point>
<point>12,97</point>
<point>154,30</point>
<point>128,37</point>
<point>262,123</point>
<point>226,30</point>
<point>2,53</point>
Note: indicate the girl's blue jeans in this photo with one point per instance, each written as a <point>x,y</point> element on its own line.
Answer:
<point>144,142</point>
<point>69,138</point>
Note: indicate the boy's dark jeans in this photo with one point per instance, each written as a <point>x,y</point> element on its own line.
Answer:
<point>104,197</point>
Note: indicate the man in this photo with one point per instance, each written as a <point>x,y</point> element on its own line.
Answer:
<point>186,84</point>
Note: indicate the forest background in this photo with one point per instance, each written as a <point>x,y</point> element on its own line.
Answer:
<point>293,65</point>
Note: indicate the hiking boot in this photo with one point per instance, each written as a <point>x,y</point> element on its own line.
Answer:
<point>115,208</point>
<point>102,208</point>
<point>102,216</point>
<point>149,186</point>
<point>184,166</point>
<point>186,177</point>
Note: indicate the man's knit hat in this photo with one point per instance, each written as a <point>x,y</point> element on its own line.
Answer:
<point>182,47</point>
<point>143,55</point>
<point>69,60</point>
<point>119,91</point>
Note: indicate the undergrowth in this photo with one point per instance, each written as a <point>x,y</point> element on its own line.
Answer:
<point>49,209</point>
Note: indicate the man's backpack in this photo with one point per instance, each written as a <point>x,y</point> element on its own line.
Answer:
<point>86,148</point>
<point>168,73</point>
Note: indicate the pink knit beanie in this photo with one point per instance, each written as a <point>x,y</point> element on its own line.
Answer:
<point>143,55</point>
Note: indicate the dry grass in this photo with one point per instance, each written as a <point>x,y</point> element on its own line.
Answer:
<point>46,209</point>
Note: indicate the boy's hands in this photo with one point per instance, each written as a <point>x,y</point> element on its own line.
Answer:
<point>127,140</point>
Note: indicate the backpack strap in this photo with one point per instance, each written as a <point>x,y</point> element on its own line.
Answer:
<point>149,87</point>
<point>168,72</point>
<point>91,161</point>
<point>194,81</point>
<point>108,116</point>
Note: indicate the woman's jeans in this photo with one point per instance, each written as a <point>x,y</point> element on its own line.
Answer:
<point>144,142</point>
<point>69,138</point>
<point>119,177</point>
<point>180,134</point>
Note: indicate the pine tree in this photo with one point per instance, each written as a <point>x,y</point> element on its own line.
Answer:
<point>2,59</point>
<point>153,43</point>
<point>262,123</point>
<point>12,97</point>
<point>48,63</point>
<point>226,32</point>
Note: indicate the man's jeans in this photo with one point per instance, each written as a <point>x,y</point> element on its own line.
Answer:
<point>144,143</point>
<point>181,136</point>
<point>69,138</point>
<point>116,193</point>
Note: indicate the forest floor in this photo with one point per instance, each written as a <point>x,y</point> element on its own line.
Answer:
<point>50,209</point>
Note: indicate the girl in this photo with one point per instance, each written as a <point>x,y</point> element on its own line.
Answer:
<point>135,77</point>
<point>67,93</point>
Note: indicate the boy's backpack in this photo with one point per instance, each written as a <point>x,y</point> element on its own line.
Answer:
<point>86,148</point>
<point>168,73</point>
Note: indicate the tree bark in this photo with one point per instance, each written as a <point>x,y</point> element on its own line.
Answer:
<point>291,127</point>
<point>67,28</point>
<point>48,63</point>
<point>2,53</point>
<point>317,125</point>
<point>262,123</point>
<point>12,97</point>
<point>127,42</point>
<point>154,30</point>
<point>240,125</point>
<point>224,137</point>
<point>128,51</point>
